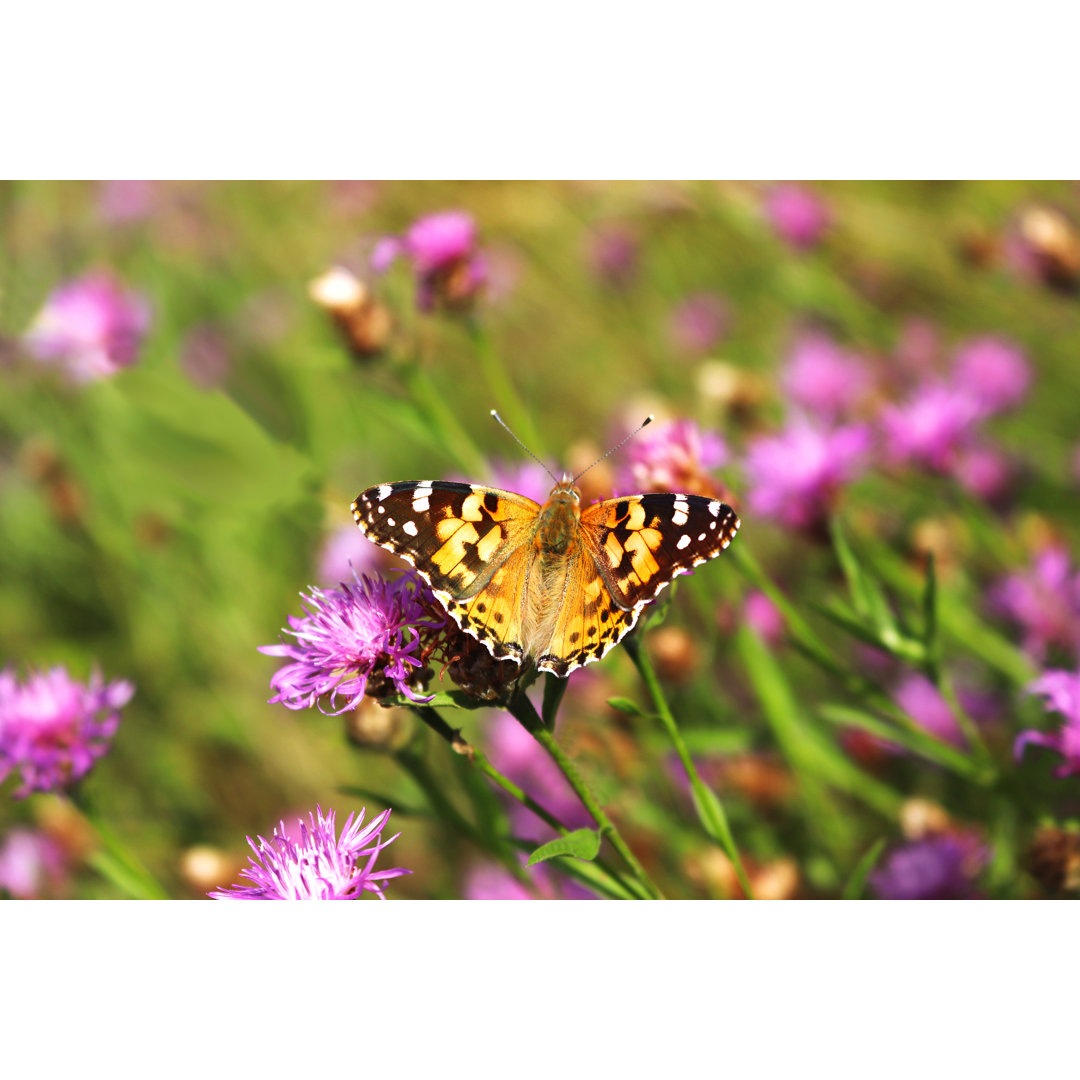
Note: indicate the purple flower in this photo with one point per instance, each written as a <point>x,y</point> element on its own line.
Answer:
<point>442,249</point>
<point>764,616</point>
<point>993,372</point>
<point>488,881</point>
<point>824,379</point>
<point>525,478</point>
<point>798,215</point>
<point>673,455</point>
<point>346,552</point>
<point>356,638</point>
<point>316,865</point>
<point>923,702</point>
<point>53,729</point>
<point>519,757</point>
<point>32,864</point>
<point>90,327</point>
<point>613,255</point>
<point>123,201</point>
<point>1061,691</point>
<point>931,427</point>
<point>698,323</point>
<point>1045,601</point>
<point>940,867</point>
<point>796,476</point>
<point>919,346</point>
<point>984,471</point>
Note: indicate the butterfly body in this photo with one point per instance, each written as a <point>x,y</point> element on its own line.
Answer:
<point>554,585</point>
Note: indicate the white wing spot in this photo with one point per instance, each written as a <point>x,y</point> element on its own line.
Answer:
<point>712,524</point>
<point>384,492</point>
<point>410,528</point>
<point>382,509</point>
<point>684,541</point>
<point>714,508</point>
<point>421,505</point>
<point>390,521</point>
<point>702,537</point>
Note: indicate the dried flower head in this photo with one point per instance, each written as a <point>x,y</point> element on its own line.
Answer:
<point>364,322</point>
<point>314,863</point>
<point>1053,859</point>
<point>364,638</point>
<point>53,728</point>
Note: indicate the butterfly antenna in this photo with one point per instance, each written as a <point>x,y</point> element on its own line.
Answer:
<point>524,447</point>
<point>644,423</point>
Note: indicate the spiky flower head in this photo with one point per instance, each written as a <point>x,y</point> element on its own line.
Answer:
<point>313,863</point>
<point>53,728</point>
<point>364,638</point>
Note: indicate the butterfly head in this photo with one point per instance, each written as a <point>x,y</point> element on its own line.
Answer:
<point>559,517</point>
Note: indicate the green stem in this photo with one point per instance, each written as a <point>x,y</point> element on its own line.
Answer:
<point>523,710</point>
<point>116,862</point>
<point>963,720</point>
<point>710,810</point>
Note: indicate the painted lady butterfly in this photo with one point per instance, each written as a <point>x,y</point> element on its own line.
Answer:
<point>554,584</point>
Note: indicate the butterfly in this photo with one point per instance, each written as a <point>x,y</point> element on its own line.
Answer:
<point>555,585</point>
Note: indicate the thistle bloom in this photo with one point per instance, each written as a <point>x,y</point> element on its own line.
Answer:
<point>923,702</point>
<point>931,427</point>
<point>32,864</point>
<point>91,328</point>
<point>938,867</point>
<point>1061,693</point>
<point>527,478</point>
<point>355,639</point>
<point>797,214</point>
<point>824,379</point>
<point>796,476</point>
<point>314,863</point>
<point>449,268</point>
<point>675,455</point>
<point>993,372</point>
<point>490,882</point>
<point>1045,601</point>
<point>53,729</point>
<point>764,616</point>
<point>698,323</point>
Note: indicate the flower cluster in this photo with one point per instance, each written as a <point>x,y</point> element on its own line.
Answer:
<point>1060,691</point>
<point>941,866</point>
<point>53,728</point>
<point>674,455</point>
<point>314,863</point>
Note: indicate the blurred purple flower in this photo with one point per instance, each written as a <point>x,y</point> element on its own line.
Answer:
<point>525,478</point>
<point>993,372</point>
<point>519,757</point>
<point>698,323</point>
<point>1044,600</point>
<point>1061,693</point>
<point>32,864</point>
<point>984,471</point>
<point>941,867</point>
<point>204,356</point>
<point>488,881</point>
<point>442,248</point>
<point>673,455</point>
<point>53,729</point>
<point>318,865</point>
<point>346,552</point>
<point>124,201</point>
<point>91,328</point>
<point>798,215</point>
<point>613,255</point>
<point>919,346</point>
<point>355,639</point>
<point>764,616</point>
<point>824,379</point>
<point>923,702</point>
<point>930,427</point>
<point>795,477</point>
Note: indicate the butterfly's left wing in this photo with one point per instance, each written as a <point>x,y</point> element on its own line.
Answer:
<point>641,542</point>
<point>455,535</point>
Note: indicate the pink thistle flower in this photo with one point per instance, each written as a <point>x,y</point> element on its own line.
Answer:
<point>824,379</point>
<point>1060,691</point>
<point>673,455</point>
<point>53,729</point>
<point>698,323</point>
<point>923,702</point>
<point>993,372</point>
<point>487,881</point>
<point>90,327</point>
<point>938,867</point>
<point>984,471</point>
<point>316,865</point>
<point>525,478</point>
<point>1044,600</point>
<point>931,427</point>
<point>798,215</point>
<point>450,271</point>
<point>355,639</point>
<point>123,201</point>
<point>796,477</point>
<point>32,865</point>
<point>764,616</point>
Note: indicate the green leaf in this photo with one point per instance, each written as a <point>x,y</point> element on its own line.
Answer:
<point>657,611</point>
<point>629,708</point>
<point>579,844</point>
<point>857,882</point>
<point>449,699</point>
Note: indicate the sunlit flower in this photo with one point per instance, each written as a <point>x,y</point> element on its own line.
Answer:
<point>1060,691</point>
<point>449,268</point>
<point>32,864</point>
<point>939,867</point>
<point>673,455</point>
<point>698,323</point>
<point>313,863</point>
<point>1044,600</point>
<point>53,729</point>
<point>930,427</point>
<point>824,379</point>
<point>364,322</point>
<point>355,639</point>
<point>798,215</point>
<point>795,477</point>
<point>993,372</point>
<point>91,328</point>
